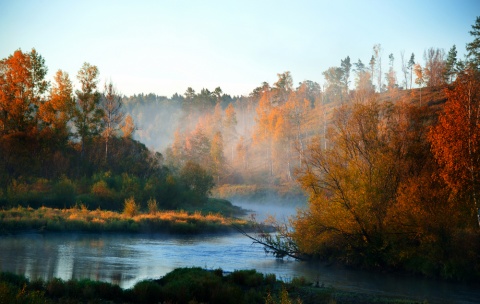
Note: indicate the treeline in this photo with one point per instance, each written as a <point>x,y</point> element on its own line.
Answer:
<point>261,138</point>
<point>60,148</point>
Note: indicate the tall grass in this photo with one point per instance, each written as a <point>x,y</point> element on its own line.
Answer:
<point>79,218</point>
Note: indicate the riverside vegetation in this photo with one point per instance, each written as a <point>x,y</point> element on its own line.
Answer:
<point>182,286</point>
<point>77,219</point>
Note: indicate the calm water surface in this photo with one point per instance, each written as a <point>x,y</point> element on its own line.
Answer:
<point>127,259</point>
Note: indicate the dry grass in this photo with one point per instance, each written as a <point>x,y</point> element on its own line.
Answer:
<point>74,219</point>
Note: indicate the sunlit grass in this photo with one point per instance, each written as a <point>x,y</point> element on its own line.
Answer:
<point>82,219</point>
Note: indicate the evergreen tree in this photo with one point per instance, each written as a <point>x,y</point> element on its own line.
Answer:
<point>473,48</point>
<point>450,65</point>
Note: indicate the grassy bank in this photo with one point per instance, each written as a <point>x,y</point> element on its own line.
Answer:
<point>184,285</point>
<point>81,219</point>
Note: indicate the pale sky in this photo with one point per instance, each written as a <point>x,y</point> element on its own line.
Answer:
<point>164,47</point>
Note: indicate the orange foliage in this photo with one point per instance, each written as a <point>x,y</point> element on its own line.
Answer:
<point>456,138</point>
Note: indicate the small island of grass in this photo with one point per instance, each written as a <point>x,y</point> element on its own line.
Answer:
<point>79,218</point>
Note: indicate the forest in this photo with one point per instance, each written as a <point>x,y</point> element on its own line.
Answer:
<point>390,160</point>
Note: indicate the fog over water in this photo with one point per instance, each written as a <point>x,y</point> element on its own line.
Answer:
<point>126,259</point>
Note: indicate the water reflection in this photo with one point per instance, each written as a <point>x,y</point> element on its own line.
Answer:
<point>127,259</point>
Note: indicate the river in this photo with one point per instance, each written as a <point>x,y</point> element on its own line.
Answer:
<point>125,259</point>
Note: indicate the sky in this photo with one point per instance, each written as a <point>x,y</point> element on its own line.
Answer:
<point>164,47</point>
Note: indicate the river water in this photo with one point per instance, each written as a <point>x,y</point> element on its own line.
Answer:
<point>125,259</point>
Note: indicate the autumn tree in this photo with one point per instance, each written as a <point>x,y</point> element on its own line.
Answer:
<point>282,88</point>
<point>419,80</point>
<point>262,133</point>
<point>217,156</point>
<point>242,149</point>
<point>56,112</point>
<point>197,147</point>
<point>88,113</point>
<point>128,127</point>
<point>456,140</point>
<point>22,79</point>
<point>214,122</point>
<point>296,110</point>
<point>334,85</point>
<point>363,82</point>
<point>229,127</point>
<point>351,185</point>
<point>113,115</point>
<point>391,75</point>
<point>434,67</point>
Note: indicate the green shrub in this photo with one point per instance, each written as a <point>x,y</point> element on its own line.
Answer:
<point>64,192</point>
<point>250,278</point>
<point>86,200</point>
<point>147,292</point>
<point>13,279</point>
<point>100,190</point>
<point>56,288</point>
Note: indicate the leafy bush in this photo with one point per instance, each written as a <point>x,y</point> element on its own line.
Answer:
<point>130,207</point>
<point>250,278</point>
<point>147,292</point>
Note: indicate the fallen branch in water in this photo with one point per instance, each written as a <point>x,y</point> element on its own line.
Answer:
<point>275,238</point>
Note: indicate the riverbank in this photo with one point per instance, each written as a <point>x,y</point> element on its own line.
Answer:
<point>80,219</point>
<point>183,285</point>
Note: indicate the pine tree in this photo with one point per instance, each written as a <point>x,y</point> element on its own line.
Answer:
<point>473,48</point>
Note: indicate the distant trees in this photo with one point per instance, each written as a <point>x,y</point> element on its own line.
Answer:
<point>57,149</point>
